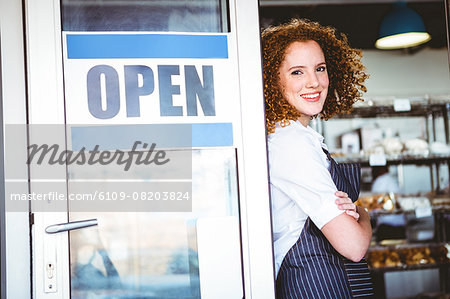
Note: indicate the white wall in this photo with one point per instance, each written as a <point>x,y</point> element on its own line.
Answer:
<point>395,73</point>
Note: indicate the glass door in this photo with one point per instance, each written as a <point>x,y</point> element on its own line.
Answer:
<point>144,147</point>
<point>141,73</point>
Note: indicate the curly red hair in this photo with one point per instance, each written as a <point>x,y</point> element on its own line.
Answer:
<point>345,70</point>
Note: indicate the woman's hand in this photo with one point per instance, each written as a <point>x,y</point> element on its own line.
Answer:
<point>345,203</point>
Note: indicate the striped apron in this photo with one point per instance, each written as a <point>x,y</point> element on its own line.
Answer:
<point>312,268</point>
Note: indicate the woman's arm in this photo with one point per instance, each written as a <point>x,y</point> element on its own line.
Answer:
<point>349,237</point>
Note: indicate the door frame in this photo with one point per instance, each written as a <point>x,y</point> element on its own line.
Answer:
<point>44,51</point>
<point>15,226</point>
<point>447,23</point>
<point>259,272</point>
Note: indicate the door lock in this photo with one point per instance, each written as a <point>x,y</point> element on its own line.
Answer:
<point>50,278</point>
<point>50,270</point>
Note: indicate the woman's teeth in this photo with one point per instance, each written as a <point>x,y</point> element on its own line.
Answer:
<point>310,96</point>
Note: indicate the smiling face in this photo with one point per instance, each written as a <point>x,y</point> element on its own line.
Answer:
<point>304,78</point>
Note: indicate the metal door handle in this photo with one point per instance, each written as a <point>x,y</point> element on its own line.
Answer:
<point>63,227</point>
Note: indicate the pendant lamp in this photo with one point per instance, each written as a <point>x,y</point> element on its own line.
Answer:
<point>401,28</point>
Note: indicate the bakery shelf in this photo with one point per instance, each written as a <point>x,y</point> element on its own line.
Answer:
<point>437,209</point>
<point>402,258</point>
<point>410,267</point>
<point>431,108</point>
<point>398,159</point>
<point>418,108</point>
<point>408,256</point>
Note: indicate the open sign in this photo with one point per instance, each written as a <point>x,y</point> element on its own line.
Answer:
<point>108,77</point>
<point>145,78</point>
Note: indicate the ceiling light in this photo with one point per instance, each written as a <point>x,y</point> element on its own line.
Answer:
<point>401,28</point>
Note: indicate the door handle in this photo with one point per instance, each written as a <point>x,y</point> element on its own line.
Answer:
<point>63,227</point>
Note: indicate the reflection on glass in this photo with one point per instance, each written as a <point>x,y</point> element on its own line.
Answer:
<point>145,15</point>
<point>153,255</point>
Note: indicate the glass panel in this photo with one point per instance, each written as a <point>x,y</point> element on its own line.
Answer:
<point>156,255</point>
<point>152,253</point>
<point>145,15</point>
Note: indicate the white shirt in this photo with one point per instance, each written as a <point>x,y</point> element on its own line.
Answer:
<point>301,185</point>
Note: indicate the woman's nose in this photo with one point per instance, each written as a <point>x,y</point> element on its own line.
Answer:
<point>313,81</point>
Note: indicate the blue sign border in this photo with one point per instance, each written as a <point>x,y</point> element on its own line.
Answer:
<point>115,46</point>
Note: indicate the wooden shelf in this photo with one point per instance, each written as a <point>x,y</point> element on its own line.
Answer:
<point>417,109</point>
<point>398,159</point>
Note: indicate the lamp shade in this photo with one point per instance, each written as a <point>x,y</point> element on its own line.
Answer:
<point>401,28</point>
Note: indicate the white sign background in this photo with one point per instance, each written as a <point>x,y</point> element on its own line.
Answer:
<point>225,76</point>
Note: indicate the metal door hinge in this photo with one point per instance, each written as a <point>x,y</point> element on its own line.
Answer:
<point>31,219</point>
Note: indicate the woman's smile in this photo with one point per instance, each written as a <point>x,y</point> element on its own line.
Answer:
<point>311,97</point>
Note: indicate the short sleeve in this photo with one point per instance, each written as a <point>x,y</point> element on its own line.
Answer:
<point>297,169</point>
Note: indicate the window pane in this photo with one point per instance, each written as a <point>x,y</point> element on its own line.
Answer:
<point>145,15</point>
<point>153,255</point>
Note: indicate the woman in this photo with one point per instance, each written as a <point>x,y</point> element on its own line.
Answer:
<point>320,236</point>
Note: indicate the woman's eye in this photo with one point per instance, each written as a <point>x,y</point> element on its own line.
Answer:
<point>296,73</point>
<point>321,69</point>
